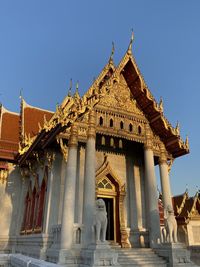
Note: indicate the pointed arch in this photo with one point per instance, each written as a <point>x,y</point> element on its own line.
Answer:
<point>106,170</point>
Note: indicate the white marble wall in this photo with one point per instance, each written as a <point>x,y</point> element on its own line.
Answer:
<point>9,208</point>
<point>52,203</point>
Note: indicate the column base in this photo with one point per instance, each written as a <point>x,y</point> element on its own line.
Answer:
<point>69,257</point>
<point>176,254</point>
<point>99,255</point>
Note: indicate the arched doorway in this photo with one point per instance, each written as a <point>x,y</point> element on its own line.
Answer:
<point>107,189</point>
<point>112,191</point>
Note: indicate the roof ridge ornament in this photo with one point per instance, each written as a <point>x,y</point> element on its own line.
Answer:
<point>76,95</point>
<point>70,88</point>
<point>112,53</point>
<point>129,51</point>
<point>187,142</point>
<point>20,94</point>
<point>161,104</point>
<point>177,129</point>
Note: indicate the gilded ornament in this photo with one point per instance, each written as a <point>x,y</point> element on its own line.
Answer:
<point>50,156</point>
<point>4,175</point>
<point>161,105</point>
<point>73,140</point>
<point>64,148</point>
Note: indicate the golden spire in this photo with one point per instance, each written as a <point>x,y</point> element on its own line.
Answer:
<point>20,93</point>
<point>112,52</point>
<point>77,93</point>
<point>187,142</point>
<point>177,128</point>
<point>70,88</point>
<point>77,87</point>
<point>130,44</point>
<point>161,104</point>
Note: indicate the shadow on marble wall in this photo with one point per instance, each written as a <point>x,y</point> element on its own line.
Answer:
<point>12,193</point>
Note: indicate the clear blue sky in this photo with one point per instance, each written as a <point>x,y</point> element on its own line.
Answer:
<point>45,43</point>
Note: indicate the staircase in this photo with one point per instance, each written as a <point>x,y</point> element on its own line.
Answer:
<point>139,257</point>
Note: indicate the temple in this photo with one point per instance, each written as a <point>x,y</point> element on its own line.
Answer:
<point>105,144</point>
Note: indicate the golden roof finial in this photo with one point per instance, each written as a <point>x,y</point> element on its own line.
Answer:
<point>131,42</point>
<point>178,128</point>
<point>187,142</point>
<point>70,88</point>
<point>186,189</point>
<point>161,104</point>
<point>77,84</point>
<point>20,93</point>
<point>77,93</point>
<point>112,52</point>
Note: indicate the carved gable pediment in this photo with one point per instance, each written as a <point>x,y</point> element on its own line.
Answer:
<point>120,98</point>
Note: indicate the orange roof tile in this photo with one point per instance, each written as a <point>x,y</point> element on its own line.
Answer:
<point>33,116</point>
<point>10,127</point>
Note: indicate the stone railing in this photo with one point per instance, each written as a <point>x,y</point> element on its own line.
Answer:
<point>4,260</point>
<point>78,229</point>
<point>56,232</point>
<point>19,260</point>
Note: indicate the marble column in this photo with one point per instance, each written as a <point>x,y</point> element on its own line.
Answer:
<point>154,219</point>
<point>138,197</point>
<point>69,192</point>
<point>89,181</point>
<point>24,187</point>
<point>164,179</point>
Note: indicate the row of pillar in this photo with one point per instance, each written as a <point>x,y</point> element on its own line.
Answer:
<point>154,218</point>
<point>89,187</point>
<point>70,186</point>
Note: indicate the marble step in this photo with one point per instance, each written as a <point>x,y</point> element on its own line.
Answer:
<point>139,257</point>
<point>145,265</point>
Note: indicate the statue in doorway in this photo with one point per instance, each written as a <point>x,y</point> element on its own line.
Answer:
<point>100,221</point>
<point>170,230</point>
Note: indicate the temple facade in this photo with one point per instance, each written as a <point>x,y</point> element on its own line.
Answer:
<point>106,144</point>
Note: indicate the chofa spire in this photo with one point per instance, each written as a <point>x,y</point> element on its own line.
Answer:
<point>129,51</point>
<point>112,53</point>
<point>70,87</point>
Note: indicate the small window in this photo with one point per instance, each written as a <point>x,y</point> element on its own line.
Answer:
<point>121,125</point>
<point>130,127</point>
<point>111,122</point>
<point>112,142</point>
<point>106,184</point>
<point>101,121</point>
<point>139,129</point>
<point>120,143</point>
<point>103,141</point>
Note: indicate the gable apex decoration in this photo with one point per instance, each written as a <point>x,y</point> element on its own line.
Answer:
<point>106,169</point>
<point>153,110</point>
<point>74,107</point>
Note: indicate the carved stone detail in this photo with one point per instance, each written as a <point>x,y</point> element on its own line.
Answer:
<point>73,140</point>
<point>104,170</point>
<point>63,147</point>
<point>3,176</point>
<point>120,98</point>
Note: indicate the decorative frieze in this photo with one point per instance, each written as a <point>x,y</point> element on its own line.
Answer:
<point>3,175</point>
<point>73,140</point>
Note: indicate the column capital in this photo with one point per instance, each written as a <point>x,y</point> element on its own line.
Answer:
<point>92,124</point>
<point>148,145</point>
<point>73,140</point>
<point>163,155</point>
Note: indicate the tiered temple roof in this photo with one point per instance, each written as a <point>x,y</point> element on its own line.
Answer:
<point>35,128</point>
<point>16,128</point>
<point>185,208</point>
<point>9,134</point>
